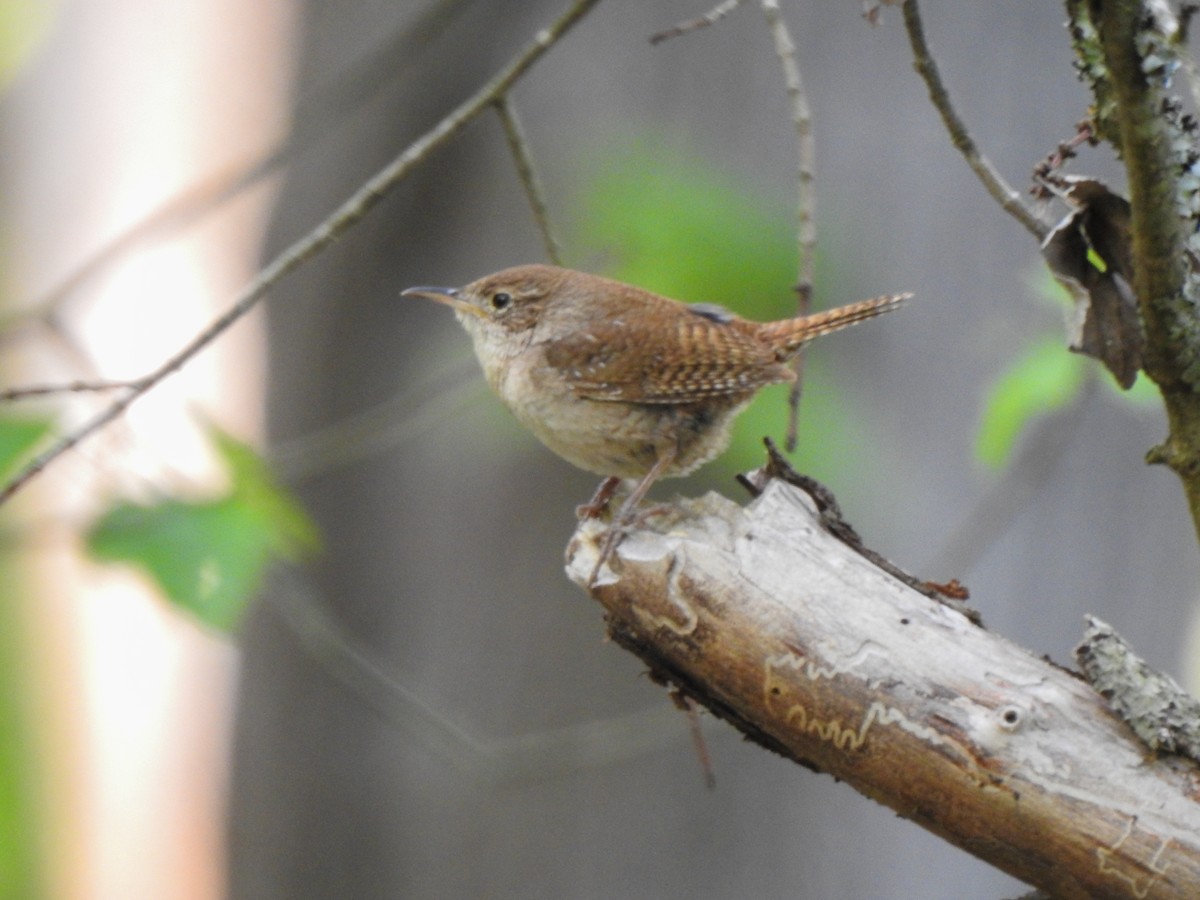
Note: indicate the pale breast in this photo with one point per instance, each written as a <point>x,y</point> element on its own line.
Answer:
<point>613,437</point>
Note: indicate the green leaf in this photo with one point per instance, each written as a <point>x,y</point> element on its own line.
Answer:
<point>18,436</point>
<point>209,557</point>
<point>1044,378</point>
<point>205,557</point>
<point>291,533</point>
<point>1096,260</point>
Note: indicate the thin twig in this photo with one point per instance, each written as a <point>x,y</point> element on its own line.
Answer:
<point>328,231</point>
<point>1046,177</point>
<point>519,145</point>
<point>1009,200</point>
<point>806,198</point>
<point>712,17</point>
<point>69,387</point>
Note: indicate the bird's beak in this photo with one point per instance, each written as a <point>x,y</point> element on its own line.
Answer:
<point>440,294</point>
<point>448,296</point>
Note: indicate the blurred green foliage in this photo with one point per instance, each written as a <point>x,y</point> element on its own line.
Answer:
<point>24,25</point>
<point>1044,378</point>
<point>680,228</point>
<point>19,435</point>
<point>20,820</point>
<point>209,556</point>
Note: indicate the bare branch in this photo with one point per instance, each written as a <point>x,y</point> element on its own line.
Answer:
<point>813,652</point>
<point>1003,193</point>
<point>70,387</point>
<point>519,145</point>
<point>806,152</point>
<point>328,231</point>
<point>806,197</point>
<point>712,17</point>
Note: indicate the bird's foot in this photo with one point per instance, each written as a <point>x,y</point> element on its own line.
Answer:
<point>598,505</point>
<point>627,520</point>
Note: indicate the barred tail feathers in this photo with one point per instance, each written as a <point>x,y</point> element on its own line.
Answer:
<point>792,334</point>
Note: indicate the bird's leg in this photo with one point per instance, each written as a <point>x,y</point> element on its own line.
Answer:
<point>595,507</point>
<point>628,512</point>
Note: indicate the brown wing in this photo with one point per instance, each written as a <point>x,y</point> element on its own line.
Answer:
<point>666,359</point>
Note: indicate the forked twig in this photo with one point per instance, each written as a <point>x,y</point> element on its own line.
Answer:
<point>328,231</point>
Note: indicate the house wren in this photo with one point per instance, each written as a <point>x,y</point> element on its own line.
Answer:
<point>622,382</point>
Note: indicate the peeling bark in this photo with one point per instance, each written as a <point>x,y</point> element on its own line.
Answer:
<point>773,624</point>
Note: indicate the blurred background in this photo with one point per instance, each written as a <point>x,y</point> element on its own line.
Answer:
<point>426,706</point>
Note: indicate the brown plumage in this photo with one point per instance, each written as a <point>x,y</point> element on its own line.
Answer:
<point>621,381</point>
<point>697,352</point>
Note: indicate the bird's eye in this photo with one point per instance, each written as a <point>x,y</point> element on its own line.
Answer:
<point>501,300</point>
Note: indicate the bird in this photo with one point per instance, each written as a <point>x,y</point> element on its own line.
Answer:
<point>620,381</point>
